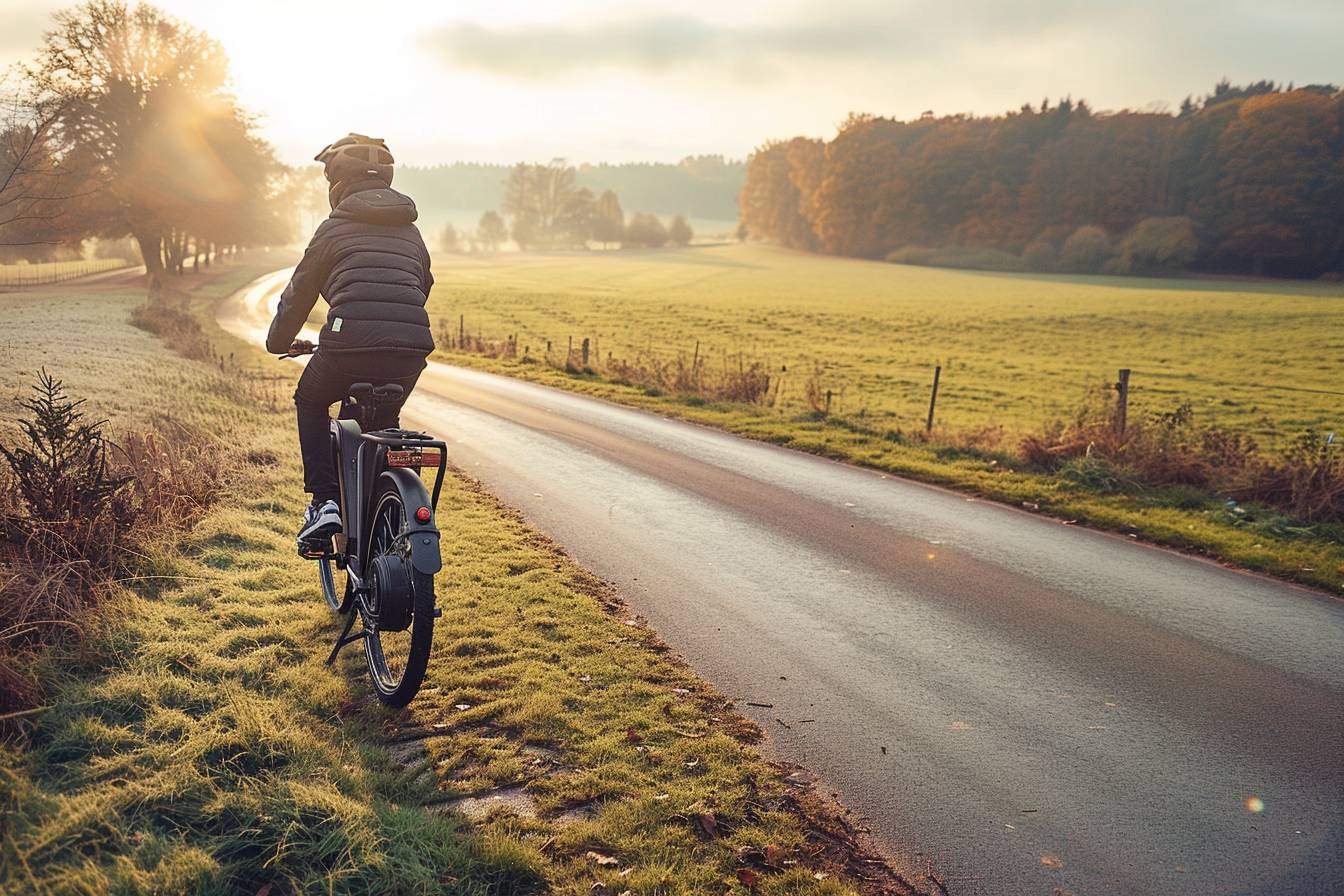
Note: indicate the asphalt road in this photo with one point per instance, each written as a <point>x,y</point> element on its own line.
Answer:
<point>1028,705</point>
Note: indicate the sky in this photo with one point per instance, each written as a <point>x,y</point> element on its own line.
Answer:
<point>503,81</point>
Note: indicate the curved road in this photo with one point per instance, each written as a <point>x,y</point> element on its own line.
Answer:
<point>1028,705</point>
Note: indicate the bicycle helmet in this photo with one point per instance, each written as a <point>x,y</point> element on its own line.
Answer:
<point>355,156</point>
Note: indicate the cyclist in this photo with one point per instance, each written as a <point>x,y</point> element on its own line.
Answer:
<point>370,263</point>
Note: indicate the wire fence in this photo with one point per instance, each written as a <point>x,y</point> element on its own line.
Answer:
<point>43,273</point>
<point>715,372</point>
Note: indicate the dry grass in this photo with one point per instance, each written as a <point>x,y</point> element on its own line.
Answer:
<point>1305,481</point>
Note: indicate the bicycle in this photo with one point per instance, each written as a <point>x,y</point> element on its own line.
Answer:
<point>388,546</point>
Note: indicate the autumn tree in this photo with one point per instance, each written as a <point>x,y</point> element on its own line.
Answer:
<point>146,114</point>
<point>1257,171</point>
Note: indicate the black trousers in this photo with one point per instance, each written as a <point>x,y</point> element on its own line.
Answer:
<point>326,380</point>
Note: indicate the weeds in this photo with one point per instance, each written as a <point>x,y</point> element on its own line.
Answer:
<point>74,507</point>
<point>1306,481</point>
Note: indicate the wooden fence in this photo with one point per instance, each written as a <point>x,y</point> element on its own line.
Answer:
<point>19,275</point>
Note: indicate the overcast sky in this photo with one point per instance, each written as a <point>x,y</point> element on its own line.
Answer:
<point>497,80</point>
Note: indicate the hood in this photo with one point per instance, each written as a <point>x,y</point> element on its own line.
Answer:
<point>377,205</point>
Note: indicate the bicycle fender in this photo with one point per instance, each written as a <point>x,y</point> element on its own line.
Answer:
<point>423,537</point>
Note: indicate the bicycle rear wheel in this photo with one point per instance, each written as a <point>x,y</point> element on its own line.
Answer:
<point>398,655</point>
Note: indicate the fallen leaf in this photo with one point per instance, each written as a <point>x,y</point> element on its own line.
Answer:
<point>1051,862</point>
<point>707,824</point>
<point>601,859</point>
<point>747,876</point>
<point>633,737</point>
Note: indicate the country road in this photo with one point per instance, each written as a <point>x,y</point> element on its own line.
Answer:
<point>1029,705</point>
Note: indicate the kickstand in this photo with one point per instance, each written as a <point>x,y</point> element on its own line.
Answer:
<point>345,636</point>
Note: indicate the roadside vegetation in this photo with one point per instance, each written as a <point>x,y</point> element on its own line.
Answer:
<point>182,735</point>
<point>1232,400</point>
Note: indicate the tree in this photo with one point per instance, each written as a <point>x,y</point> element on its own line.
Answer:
<point>36,186</point>
<point>609,225</point>
<point>679,232</point>
<point>576,221</point>
<point>535,197</point>
<point>145,114</point>
<point>449,240</point>
<point>1085,251</point>
<point>1160,245</point>
<point>1258,171</point>
<point>645,230</point>
<point>491,232</point>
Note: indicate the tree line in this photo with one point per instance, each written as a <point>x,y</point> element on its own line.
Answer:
<point>1246,179</point>
<point>698,186</point>
<point>122,126</point>
<point>547,209</point>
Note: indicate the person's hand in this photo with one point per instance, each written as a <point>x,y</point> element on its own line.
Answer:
<point>301,347</point>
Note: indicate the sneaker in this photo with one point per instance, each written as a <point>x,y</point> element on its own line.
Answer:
<point>320,522</point>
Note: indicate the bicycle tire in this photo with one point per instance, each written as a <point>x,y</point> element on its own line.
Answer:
<point>395,689</point>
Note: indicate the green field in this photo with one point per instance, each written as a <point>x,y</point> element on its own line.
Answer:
<point>1015,348</point>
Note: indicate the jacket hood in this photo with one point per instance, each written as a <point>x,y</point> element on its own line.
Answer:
<point>378,204</point>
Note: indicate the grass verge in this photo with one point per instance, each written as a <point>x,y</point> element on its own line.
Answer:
<point>1248,536</point>
<point>193,742</point>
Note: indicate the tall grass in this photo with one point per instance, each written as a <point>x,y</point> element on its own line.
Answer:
<point>75,507</point>
<point>1304,481</point>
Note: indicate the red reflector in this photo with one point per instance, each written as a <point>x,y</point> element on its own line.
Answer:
<point>422,514</point>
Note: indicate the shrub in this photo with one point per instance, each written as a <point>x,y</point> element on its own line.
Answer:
<point>977,259</point>
<point>71,505</point>
<point>1085,251</point>
<point>1160,245</point>
<point>911,255</point>
<point>1041,256</point>
<point>957,257</point>
<point>645,230</point>
<point>679,232</point>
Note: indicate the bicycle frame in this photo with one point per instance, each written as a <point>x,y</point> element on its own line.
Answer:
<point>361,459</point>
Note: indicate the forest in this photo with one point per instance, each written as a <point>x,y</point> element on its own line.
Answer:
<point>1247,179</point>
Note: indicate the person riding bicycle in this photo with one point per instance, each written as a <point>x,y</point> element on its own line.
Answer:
<point>369,262</point>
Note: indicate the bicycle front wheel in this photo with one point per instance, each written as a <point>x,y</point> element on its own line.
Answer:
<point>396,648</point>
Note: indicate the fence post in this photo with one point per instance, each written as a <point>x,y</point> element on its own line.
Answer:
<point>933,396</point>
<point>1122,401</point>
<point>461,331</point>
<point>585,351</point>
<point>828,401</point>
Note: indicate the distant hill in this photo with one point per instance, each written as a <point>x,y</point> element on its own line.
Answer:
<point>700,187</point>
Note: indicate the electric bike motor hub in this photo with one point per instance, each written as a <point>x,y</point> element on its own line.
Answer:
<point>391,583</point>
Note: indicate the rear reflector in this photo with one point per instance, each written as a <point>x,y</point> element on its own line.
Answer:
<point>423,514</point>
<point>413,457</point>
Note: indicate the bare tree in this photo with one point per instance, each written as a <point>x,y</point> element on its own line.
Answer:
<point>35,187</point>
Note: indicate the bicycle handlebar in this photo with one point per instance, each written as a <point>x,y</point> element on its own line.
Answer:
<point>310,350</point>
